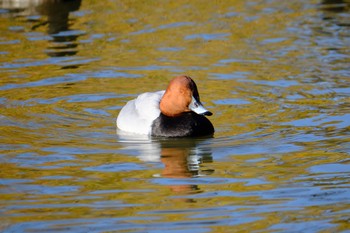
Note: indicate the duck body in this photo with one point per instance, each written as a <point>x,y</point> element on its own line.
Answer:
<point>137,115</point>
<point>188,124</point>
<point>175,112</point>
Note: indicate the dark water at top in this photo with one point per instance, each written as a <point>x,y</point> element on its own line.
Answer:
<point>276,75</point>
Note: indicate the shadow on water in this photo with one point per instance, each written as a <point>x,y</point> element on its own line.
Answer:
<point>55,17</point>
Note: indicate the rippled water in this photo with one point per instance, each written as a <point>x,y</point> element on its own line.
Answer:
<point>275,74</point>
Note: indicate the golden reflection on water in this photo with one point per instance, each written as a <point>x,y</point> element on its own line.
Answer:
<point>274,74</point>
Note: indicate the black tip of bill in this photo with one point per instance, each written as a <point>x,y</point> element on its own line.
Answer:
<point>207,113</point>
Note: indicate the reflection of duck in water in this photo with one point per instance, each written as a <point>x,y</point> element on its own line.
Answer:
<point>176,112</point>
<point>181,157</point>
<point>178,165</point>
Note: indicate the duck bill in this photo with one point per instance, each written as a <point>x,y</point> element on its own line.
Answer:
<point>197,107</point>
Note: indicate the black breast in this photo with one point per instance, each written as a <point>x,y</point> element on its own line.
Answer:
<point>188,124</point>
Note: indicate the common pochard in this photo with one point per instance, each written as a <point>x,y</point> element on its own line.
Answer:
<point>175,112</point>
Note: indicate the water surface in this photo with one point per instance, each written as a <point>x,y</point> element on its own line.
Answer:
<point>275,74</point>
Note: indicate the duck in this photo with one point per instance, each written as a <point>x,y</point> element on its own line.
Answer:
<point>174,112</point>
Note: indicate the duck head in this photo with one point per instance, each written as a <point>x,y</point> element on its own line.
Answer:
<point>182,96</point>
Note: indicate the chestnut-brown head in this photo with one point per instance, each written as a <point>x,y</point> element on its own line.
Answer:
<point>182,96</point>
